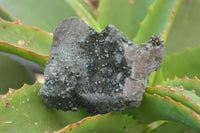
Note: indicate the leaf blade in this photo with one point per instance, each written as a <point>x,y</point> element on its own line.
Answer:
<point>159,14</point>
<point>84,14</point>
<point>13,74</point>
<point>182,64</point>
<point>4,15</point>
<point>28,42</point>
<point>124,14</point>
<point>24,53</point>
<point>111,122</point>
<point>46,14</point>
<point>156,107</point>
<point>185,30</point>
<point>26,105</point>
<point>178,94</point>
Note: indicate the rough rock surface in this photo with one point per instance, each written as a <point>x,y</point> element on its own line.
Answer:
<point>100,72</point>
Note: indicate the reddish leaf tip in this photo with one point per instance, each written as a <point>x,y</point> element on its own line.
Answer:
<point>141,23</point>
<point>186,78</point>
<point>131,2</point>
<point>148,8</point>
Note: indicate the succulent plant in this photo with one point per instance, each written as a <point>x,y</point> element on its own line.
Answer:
<point>171,101</point>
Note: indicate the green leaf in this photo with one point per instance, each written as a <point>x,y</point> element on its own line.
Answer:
<point>185,30</point>
<point>25,41</point>
<point>107,123</point>
<point>154,125</point>
<point>156,78</point>
<point>24,111</point>
<point>180,65</point>
<point>24,53</point>
<point>174,127</point>
<point>45,14</point>
<point>192,85</point>
<point>178,100</point>
<point>124,14</point>
<point>84,12</point>
<point>178,94</point>
<point>157,19</point>
<point>156,107</point>
<point>20,35</point>
<point>13,74</point>
<point>4,15</point>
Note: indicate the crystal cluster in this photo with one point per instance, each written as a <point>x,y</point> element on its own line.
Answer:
<point>100,72</point>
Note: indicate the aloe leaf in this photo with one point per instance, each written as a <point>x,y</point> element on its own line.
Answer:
<point>178,94</point>
<point>185,30</point>
<point>157,19</point>
<point>154,125</point>
<point>31,38</point>
<point>173,127</point>
<point>24,111</point>
<point>39,13</point>
<point>185,63</point>
<point>90,6</point>
<point>4,15</point>
<point>24,53</point>
<point>95,124</point>
<point>156,107</point>
<point>156,78</point>
<point>178,100</point>
<point>192,85</point>
<point>13,74</point>
<point>25,41</point>
<point>124,14</point>
<point>111,122</point>
<point>80,8</point>
<point>165,33</point>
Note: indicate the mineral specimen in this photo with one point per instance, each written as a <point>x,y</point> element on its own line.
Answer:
<point>100,72</point>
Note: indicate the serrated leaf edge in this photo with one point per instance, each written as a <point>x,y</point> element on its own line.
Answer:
<point>141,31</point>
<point>14,91</point>
<point>195,78</point>
<point>178,54</point>
<point>194,114</point>
<point>36,55</point>
<point>171,89</point>
<point>169,25</point>
<point>70,126</point>
<point>18,22</point>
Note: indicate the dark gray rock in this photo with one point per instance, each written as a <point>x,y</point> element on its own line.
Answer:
<point>101,72</point>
